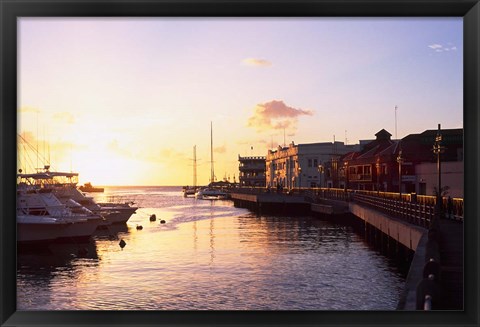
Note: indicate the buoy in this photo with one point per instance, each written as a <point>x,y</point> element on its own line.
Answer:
<point>153,217</point>
<point>122,244</point>
<point>139,227</point>
<point>162,221</point>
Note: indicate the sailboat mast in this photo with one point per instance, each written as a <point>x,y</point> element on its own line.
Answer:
<point>212,174</point>
<point>194,166</point>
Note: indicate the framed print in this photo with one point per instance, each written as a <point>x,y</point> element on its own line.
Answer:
<point>239,163</point>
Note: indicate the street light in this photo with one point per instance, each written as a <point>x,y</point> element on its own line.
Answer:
<point>345,164</point>
<point>378,174</point>
<point>299,177</point>
<point>400,161</point>
<point>438,149</point>
<point>321,171</point>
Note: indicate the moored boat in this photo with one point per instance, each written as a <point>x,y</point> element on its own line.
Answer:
<point>211,194</point>
<point>42,217</point>
<point>88,187</point>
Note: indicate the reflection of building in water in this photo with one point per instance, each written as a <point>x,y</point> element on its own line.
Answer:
<point>252,171</point>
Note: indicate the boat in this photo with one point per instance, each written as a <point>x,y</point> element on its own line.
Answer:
<point>41,216</point>
<point>63,186</point>
<point>210,192</point>
<point>189,191</point>
<point>88,187</point>
<point>36,229</point>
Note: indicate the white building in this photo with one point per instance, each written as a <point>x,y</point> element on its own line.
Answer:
<point>302,165</point>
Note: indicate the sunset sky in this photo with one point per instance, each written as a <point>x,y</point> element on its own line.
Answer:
<point>123,101</point>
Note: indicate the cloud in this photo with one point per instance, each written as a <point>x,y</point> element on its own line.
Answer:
<point>66,117</point>
<point>275,115</point>
<point>256,62</point>
<point>440,48</point>
<point>435,46</point>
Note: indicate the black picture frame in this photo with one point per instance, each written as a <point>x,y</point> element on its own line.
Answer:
<point>11,10</point>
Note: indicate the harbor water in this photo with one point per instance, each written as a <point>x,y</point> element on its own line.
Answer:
<point>208,255</point>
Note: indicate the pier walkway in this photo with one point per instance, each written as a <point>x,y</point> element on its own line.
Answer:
<point>444,244</point>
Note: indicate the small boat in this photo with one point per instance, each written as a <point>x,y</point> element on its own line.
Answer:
<point>88,187</point>
<point>189,191</point>
<point>211,194</point>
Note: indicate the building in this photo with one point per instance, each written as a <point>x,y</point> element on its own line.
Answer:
<point>407,165</point>
<point>302,165</point>
<point>252,171</point>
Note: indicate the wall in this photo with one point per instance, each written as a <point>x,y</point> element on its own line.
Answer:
<point>452,176</point>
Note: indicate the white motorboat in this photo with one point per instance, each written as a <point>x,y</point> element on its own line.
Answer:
<point>40,209</point>
<point>211,194</point>
<point>33,228</point>
<point>63,185</point>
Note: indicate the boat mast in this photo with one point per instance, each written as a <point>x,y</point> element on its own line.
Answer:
<point>194,166</point>
<point>212,174</point>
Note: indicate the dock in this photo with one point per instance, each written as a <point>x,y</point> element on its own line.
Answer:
<point>417,228</point>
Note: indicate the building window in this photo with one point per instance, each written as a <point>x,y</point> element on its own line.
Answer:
<point>309,162</point>
<point>315,163</point>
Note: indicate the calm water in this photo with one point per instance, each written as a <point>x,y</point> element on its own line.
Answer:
<point>208,255</point>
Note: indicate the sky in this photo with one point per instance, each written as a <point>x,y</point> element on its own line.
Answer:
<point>123,101</point>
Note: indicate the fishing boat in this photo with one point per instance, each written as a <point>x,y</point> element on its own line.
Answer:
<point>41,216</point>
<point>88,187</point>
<point>63,186</point>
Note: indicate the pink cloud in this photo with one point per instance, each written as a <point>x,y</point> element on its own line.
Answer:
<point>275,115</point>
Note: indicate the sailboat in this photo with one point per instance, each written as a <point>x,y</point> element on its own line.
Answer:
<point>211,193</point>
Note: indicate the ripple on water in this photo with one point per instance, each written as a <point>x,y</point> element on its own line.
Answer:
<point>211,256</point>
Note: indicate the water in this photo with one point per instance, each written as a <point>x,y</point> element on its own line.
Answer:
<point>208,255</point>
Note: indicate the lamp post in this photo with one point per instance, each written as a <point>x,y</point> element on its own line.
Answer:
<point>400,161</point>
<point>321,171</point>
<point>334,173</point>
<point>345,164</point>
<point>299,177</point>
<point>377,165</point>
<point>438,149</point>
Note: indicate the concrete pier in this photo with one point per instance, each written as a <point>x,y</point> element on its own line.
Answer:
<point>272,203</point>
<point>434,255</point>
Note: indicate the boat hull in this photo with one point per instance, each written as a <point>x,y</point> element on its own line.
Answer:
<point>35,229</point>
<point>117,215</point>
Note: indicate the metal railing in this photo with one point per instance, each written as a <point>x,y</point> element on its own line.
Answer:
<point>418,214</point>
<point>416,209</point>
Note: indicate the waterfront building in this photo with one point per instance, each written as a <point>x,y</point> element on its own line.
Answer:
<point>417,149</point>
<point>303,165</point>
<point>252,171</point>
<point>376,166</point>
